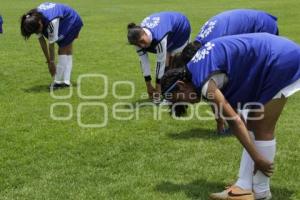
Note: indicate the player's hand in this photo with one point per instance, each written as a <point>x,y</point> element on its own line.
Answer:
<point>52,68</point>
<point>220,126</point>
<point>150,90</point>
<point>157,93</point>
<point>158,88</point>
<point>265,166</point>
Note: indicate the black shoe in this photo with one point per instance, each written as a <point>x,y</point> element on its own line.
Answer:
<point>56,86</point>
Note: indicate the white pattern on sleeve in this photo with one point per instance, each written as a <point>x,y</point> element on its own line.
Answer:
<point>145,64</point>
<point>161,57</point>
<point>52,30</point>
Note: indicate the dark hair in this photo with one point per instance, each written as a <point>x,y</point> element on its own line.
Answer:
<point>177,61</point>
<point>134,33</point>
<point>189,51</point>
<point>178,110</point>
<point>172,76</point>
<point>168,80</point>
<point>181,59</point>
<point>30,23</point>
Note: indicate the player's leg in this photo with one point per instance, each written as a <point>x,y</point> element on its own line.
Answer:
<point>265,142</point>
<point>266,145</point>
<point>63,61</point>
<point>1,22</point>
<point>263,130</point>
<point>65,58</point>
<point>66,62</point>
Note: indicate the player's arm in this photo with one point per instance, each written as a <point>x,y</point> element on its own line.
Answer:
<point>221,124</point>
<point>51,64</point>
<point>145,66</point>
<point>161,50</point>
<point>52,30</point>
<point>45,50</point>
<point>238,127</point>
<point>220,80</point>
<point>44,47</point>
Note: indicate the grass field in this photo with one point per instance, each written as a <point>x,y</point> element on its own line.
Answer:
<point>41,158</point>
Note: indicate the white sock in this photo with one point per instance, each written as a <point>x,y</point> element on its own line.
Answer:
<point>246,169</point>
<point>261,183</point>
<point>60,67</point>
<point>68,70</point>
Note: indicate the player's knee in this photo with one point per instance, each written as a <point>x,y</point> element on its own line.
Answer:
<point>264,134</point>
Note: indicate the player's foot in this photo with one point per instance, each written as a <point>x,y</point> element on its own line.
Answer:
<point>263,196</point>
<point>56,86</point>
<point>233,193</point>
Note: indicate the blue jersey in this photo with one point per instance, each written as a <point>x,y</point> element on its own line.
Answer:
<point>235,22</point>
<point>1,22</point>
<point>172,24</point>
<point>69,19</point>
<point>258,66</point>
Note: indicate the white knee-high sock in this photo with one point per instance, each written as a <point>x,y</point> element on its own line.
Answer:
<point>60,67</point>
<point>246,169</point>
<point>261,183</point>
<point>68,70</point>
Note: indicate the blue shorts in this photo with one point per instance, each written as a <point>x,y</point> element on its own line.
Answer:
<point>70,37</point>
<point>1,30</point>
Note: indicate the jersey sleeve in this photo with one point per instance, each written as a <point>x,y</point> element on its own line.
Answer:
<point>220,79</point>
<point>161,50</point>
<point>144,63</point>
<point>52,30</point>
<point>208,32</point>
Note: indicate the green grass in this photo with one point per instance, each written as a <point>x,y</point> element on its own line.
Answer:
<point>41,158</point>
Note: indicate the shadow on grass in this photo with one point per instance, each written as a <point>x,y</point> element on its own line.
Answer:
<point>199,133</point>
<point>200,189</point>
<point>42,88</point>
<point>37,89</point>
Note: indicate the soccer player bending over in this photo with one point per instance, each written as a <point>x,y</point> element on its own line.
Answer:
<point>165,34</point>
<point>260,70</point>
<point>59,24</point>
<point>231,22</point>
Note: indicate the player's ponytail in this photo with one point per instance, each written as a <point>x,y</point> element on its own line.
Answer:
<point>30,23</point>
<point>189,51</point>
<point>181,59</point>
<point>131,25</point>
<point>134,33</point>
